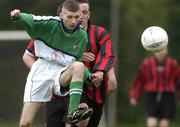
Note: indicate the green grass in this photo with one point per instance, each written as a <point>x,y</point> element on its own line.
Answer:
<point>172,124</point>
<point>15,124</point>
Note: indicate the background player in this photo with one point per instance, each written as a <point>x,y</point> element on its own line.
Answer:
<point>157,76</point>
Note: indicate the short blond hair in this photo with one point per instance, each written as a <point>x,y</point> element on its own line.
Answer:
<point>71,5</point>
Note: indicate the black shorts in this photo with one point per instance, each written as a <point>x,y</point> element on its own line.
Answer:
<point>56,112</point>
<point>160,105</point>
<point>97,111</point>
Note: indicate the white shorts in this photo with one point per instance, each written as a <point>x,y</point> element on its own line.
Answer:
<point>43,81</point>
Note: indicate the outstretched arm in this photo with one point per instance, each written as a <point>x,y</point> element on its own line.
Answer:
<point>25,21</point>
<point>38,27</point>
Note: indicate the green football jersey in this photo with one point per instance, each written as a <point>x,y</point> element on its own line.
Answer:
<point>50,30</point>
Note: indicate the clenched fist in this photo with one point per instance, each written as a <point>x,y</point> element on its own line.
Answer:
<point>15,13</point>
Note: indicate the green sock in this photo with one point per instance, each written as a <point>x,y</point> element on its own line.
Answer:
<point>75,91</point>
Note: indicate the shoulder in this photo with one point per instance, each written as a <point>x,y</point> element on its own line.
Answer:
<point>146,61</point>
<point>101,32</point>
<point>173,60</point>
<point>98,28</point>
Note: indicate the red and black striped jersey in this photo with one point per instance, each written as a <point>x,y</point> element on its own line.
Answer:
<point>154,77</point>
<point>100,44</point>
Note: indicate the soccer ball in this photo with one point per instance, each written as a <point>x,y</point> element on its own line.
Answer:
<point>154,39</point>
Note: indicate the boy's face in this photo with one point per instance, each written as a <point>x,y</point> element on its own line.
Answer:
<point>85,14</point>
<point>70,19</point>
<point>161,55</point>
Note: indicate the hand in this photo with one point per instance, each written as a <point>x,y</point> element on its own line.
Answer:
<point>97,78</point>
<point>15,13</point>
<point>112,83</point>
<point>133,101</point>
<point>100,74</point>
<point>88,56</point>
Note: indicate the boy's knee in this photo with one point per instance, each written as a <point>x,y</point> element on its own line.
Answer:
<point>151,122</point>
<point>78,67</point>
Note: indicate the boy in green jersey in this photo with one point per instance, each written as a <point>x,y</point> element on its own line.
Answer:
<point>61,47</point>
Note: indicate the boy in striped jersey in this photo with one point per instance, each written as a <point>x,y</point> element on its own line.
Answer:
<point>100,58</point>
<point>61,46</point>
<point>157,77</point>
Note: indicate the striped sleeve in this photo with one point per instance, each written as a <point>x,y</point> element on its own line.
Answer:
<point>106,56</point>
<point>136,87</point>
<point>177,79</point>
<point>138,81</point>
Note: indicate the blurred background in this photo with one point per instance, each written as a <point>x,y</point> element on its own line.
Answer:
<point>125,19</point>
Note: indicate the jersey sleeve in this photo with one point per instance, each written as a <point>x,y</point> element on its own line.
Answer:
<point>36,26</point>
<point>177,80</point>
<point>106,56</point>
<point>86,74</point>
<point>137,83</point>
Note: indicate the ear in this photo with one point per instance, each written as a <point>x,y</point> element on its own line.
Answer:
<point>60,15</point>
